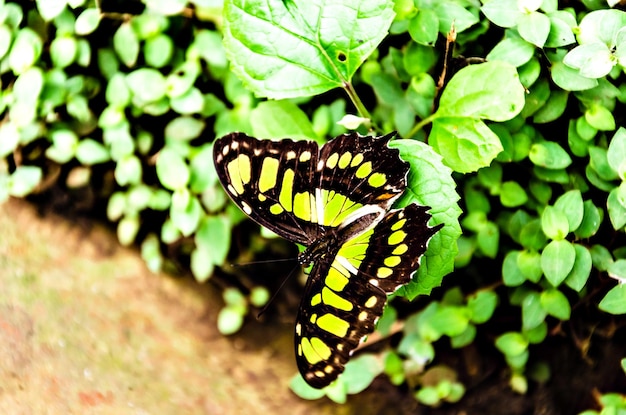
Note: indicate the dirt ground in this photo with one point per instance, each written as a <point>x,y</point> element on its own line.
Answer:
<point>85,328</point>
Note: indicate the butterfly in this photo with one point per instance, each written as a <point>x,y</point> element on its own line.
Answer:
<point>335,200</point>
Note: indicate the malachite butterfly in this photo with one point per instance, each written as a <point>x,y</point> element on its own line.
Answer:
<point>334,200</point>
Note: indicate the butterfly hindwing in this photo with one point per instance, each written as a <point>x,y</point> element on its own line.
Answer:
<point>346,291</point>
<point>299,190</point>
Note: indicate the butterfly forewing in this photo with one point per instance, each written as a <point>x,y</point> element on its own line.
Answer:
<point>346,291</point>
<point>298,190</point>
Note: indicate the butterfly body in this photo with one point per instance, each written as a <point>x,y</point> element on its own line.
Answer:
<point>335,201</point>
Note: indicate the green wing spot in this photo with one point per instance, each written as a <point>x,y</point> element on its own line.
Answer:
<point>384,272</point>
<point>400,249</point>
<point>399,224</point>
<point>345,160</point>
<point>331,162</point>
<point>364,170</point>
<point>377,179</point>
<point>335,280</point>
<point>392,261</point>
<point>276,209</point>
<point>333,325</point>
<point>336,301</point>
<point>316,300</point>
<point>314,350</point>
<point>356,160</point>
<point>286,190</point>
<point>262,197</point>
<point>396,237</point>
<point>302,206</point>
<point>268,175</point>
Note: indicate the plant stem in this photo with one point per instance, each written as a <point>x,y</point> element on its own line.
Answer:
<point>363,112</point>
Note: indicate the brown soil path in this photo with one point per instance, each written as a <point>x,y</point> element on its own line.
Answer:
<point>85,328</point>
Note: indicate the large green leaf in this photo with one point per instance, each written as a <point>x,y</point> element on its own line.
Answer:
<point>284,49</point>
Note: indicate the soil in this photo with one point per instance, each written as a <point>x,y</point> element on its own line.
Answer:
<point>85,328</point>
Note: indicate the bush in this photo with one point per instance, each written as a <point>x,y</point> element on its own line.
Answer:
<point>126,103</point>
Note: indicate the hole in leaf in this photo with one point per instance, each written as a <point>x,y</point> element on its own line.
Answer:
<point>341,57</point>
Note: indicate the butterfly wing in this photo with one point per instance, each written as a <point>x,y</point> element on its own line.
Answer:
<point>299,190</point>
<point>347,290</point>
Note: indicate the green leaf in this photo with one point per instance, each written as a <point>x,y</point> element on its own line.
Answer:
<point>616,153</point>
<point>25,51</point>
<point>126,44</point>
<point>599,162</point>
<point>488,238</point>
<point>534,27</point>
<point>592,219</point>
<point>529,263</point>
<point>450,320</point>
<point>600,118</point>
<point>147,85</point>
<point>183,129</point>
<point>556,304</point>
<point>229,320</point>
<point>185,212</point>
<point>10,138</point>
<point>512,194</point>
<point>550,155</point>
<point>537,334</point>
<point>424,27</point>
<point>321,46</point>
<point>49,9</point>
<point>87,21</point>
<point>278,119</point>
<point>571,205</point>
<point>561,25</point>
<point>568,78</point>
<point>191,102</point>
<point>617,270</point>
<point>201,263</point>
<point>578,276</point>
<point>504,13</point>
<point>512,344</point>
<point>554,223</point>
<point>513,50</point>
<point>63,51</point>
<point>360,372</point>
<point>465,143</point>
<point>482,305</point>
<point>299,386</point>
<point>512,275</point>
<point>127,229</point>
<point>616,206</point>
<point>531,236</point>
<point>557,261</point>
<point>532,312</point>
<point>614,302</point>
<point>24,180</point>
<point>91,152</point>
<point>430,184</point>
<point>489,90</point>
<point>128,170</point>
<point>593,60</point>
<point>214,236</point>
<point>158,50</point>
<point>172,170</point>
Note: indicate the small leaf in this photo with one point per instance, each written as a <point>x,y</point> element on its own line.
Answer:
<point>512,275</point>
<point>614,302</point>
<point>126,44</point>
<point>554,223</point>
<point>578,276</point>
<point>49,9</point>
<point>87,21</point>
<point>10,138</point>
<point>229,320</point>
<point>550,155</point>
<point>529,263</point>
<point>512,344</point>
<point>146,84</point>
<point>91,152</point>
<point>556,304</point>
<point>25,51</point>
<point>599,117</point>
<point>571,205</point>
<point>127,229</point>
<point>617,270</point>
<point>616,153</point>
<point>557,260</point>
<point>488,239</point>
<point>534,27</point>
<point>172,170</point>
<point>24,180</point>
<point>532,312</point>
<point>299,386</point>
<point>591,221</point>
<point>184,129</point>
<point>616,206</point>
<point>512,194</point>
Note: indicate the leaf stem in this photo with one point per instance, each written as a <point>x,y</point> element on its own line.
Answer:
<point>354,97</point>
<point>420,125</point>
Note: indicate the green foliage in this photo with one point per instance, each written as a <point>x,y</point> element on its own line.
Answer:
<point>533,139</point>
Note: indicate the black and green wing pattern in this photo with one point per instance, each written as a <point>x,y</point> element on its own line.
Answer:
<point>334,200</point>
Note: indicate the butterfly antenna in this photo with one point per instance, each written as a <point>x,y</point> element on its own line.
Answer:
<point>267,261</point>
<point>271,300</point>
